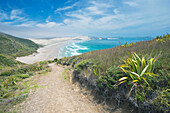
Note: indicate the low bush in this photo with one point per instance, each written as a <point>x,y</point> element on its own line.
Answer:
<point>23,76</point>
<point>83,64</point>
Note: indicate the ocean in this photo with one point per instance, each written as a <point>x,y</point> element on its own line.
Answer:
<point>78,47</point>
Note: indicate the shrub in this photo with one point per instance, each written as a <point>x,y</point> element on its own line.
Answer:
<point>82,64</point>
<point>162,100</point>
<point>56,59</point>
<point>23,76</point>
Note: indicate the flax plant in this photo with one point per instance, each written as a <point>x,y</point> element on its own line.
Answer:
<point>137,70</point>
<point>96,71</point>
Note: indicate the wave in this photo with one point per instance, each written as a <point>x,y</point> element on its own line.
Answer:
<point>74,48</point>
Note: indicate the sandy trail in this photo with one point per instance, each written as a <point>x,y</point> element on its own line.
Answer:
<point>58,97</point>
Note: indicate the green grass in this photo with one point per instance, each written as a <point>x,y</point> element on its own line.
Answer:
<point>109,61</point>
<point>14,46</point>
<point>6,61</point>
<point>15,86</point>
<point>66,74</point>
<point>13,74</point>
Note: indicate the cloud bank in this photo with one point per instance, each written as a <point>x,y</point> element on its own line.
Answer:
<point>92,18</point>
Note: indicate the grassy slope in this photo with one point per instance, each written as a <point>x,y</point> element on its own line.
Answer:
<point>113,56</point>
<point>13,88</point>
<point>109,60</point>
<point>15,47</point>
<point>11,47</point>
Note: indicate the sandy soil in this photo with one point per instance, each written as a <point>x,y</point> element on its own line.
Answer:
<point>58,96</point>
<point>54,40</point>
<point>49,51</point>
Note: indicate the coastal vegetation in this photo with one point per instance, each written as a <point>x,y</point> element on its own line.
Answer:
<point>136,73</point>
<point>14,75</point>
<point>15,84</point>
<point>12,47</point>
<point>15,47</point>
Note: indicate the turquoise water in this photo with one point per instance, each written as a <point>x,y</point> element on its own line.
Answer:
<point>79,47</point>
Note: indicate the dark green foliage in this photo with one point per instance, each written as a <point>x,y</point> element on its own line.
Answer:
<point>114,71</point>
<point>12,72</point>
<point>83,64</point>
<point>7,61</point>
<point>112,75</point>
<point>23,76</point>
<point>24,69</point>
<point>15,47</point>
<point>12,47</point>
<point>50,61</point>
<point>9,79</point>
<point>69,60</point>
<point>162,99</point>
<point>56,59</point>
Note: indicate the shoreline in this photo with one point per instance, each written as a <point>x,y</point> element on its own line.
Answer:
<point>50,50</point>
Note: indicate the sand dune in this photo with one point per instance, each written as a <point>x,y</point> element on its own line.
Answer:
<point>50,50</point>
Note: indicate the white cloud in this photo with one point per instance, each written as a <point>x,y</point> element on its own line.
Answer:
<point>115,11</point>
<point>49,25</point>
<point>101,4</point>
<point>16,17</point>
<point>99,18</point>
<point>66,8</point>
<point>131,3</point>
<point>7,22</point>
<point>27,24</point>
<point>77,15</point>
<point>94,10</point>
<point>16,14</point>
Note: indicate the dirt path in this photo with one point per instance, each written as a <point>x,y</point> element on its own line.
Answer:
<point>57,97</point>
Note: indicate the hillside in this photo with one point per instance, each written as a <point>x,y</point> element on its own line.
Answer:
<point>14,46</point>
<point>13,88</point>
<point>116,74</point>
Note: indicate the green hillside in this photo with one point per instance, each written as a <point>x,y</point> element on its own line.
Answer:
<point>12,47</point>
<point>13,86</point>
<point>16,47</point>
<point>138,72</point>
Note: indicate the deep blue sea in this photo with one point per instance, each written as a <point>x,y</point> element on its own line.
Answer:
<point>82,46</point>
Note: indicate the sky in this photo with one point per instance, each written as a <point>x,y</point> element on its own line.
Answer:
<point>97,18</point>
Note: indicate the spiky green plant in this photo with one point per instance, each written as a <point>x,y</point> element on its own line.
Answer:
<point>137,70</point>
<point>127,45</point>
<point>163,38</point>
<point>96,71</point>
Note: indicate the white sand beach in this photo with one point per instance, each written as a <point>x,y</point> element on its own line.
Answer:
<point>50,50</point>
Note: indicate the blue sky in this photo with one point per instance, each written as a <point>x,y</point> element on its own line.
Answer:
<point>100,18</point>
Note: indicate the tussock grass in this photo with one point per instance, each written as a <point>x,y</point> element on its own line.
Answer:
<point>114,56</point>
<point>109,61</point>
